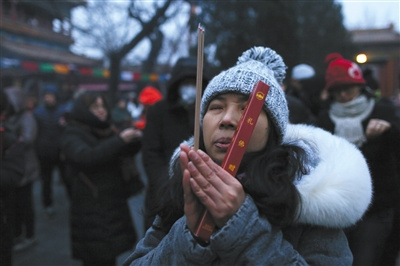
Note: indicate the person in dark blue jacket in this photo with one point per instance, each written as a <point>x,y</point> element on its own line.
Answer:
<point>50,123</point>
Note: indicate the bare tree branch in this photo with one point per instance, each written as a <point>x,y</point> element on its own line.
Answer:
<point>158,19</point>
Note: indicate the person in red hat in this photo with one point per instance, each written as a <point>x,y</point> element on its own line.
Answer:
<point>372,126</point>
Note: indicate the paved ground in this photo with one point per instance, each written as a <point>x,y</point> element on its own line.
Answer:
<point>53,245</point>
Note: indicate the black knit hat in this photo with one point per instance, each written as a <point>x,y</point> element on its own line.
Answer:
<point>185,67</point>
<point>80,111</point>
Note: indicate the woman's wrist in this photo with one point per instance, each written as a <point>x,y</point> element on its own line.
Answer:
<point>199,240</point>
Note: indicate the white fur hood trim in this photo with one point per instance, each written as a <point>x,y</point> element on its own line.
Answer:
<point>338,189</point>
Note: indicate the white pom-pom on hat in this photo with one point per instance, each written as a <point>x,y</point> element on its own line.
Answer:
<point>269,58</point>
<point>302,71</point>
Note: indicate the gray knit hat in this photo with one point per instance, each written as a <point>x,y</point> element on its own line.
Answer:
<point>255,64</point>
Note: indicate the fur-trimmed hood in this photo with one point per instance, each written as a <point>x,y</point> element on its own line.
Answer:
<point>338,190</point>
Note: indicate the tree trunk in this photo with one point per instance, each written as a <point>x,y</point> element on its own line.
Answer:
<point>156,39</point>
<point>113,81</point>
<point>116,57</point>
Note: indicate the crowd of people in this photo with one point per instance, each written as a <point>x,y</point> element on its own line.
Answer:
<point>319,182</point>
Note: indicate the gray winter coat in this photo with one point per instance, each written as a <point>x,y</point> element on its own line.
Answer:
<point>333,196</point>
<point>23,124</point>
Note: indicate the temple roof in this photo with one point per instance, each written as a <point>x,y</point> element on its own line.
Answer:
<point>371,36</point>
<point>56,8</point>
<point>37,53</point>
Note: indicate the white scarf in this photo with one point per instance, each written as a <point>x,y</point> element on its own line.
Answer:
<point>348,118</point>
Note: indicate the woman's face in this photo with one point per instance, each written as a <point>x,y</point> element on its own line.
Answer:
<point>221,120</point>
<point>98,109</point>
<point>346,93</point>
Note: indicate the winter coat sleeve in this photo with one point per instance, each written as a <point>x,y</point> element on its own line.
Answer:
<point>247,239</point>
<point>178,247</point>
<point>155,164</point>
<point>29,128</point>
<point>77,148</point>
<point>12,165</point>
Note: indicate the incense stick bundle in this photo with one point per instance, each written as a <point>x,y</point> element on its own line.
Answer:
<point>199,85</point>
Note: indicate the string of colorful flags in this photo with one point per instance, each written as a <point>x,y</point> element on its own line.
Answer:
<point>64,69</point>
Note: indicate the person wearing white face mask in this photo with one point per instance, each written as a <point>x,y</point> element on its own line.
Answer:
<point>187,91</point>
<point>168,123</point>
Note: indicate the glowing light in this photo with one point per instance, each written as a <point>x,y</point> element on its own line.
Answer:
<point>361,58</point>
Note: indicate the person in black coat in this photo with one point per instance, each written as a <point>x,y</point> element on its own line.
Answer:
<point>168,123</point>
<point>101,225</point>
<point>305,85</point>
<point>12,168</point>
<point>298,112</point>
<point>374,128</point>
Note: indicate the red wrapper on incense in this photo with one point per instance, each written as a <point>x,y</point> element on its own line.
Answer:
<point>236,149</point>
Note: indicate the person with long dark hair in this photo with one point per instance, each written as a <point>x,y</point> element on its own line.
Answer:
<point>296,188</point>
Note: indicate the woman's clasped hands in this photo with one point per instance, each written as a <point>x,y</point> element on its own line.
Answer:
<point>206,184</point>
